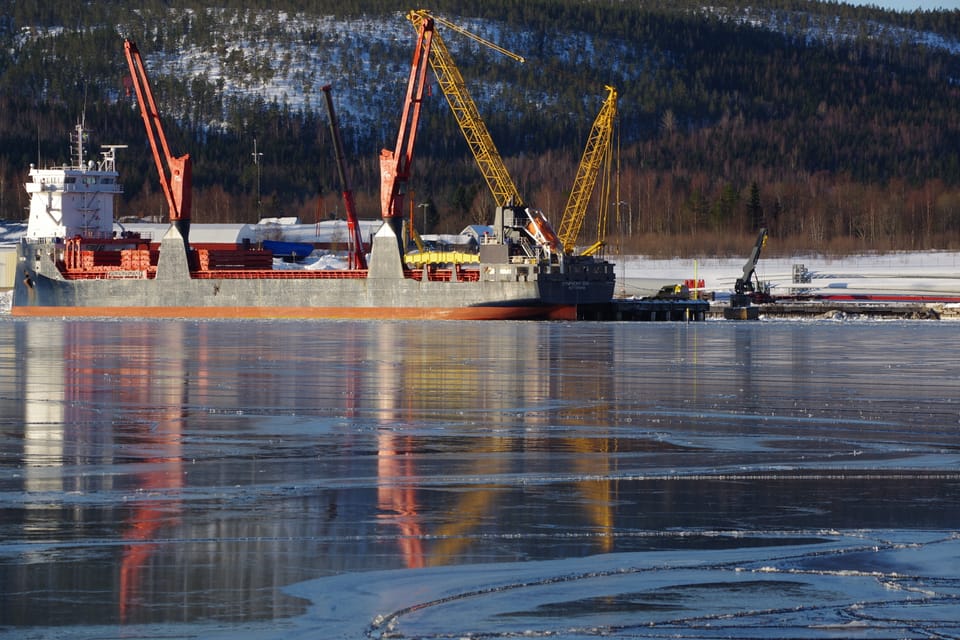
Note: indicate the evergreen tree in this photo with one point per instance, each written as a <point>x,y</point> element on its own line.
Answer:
<point>755,209</point>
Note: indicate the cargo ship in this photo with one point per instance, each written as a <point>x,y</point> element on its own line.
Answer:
<point>76,261</point>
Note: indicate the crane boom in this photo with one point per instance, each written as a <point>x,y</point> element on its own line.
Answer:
<point>357,258</point>
<point>465,111</point>
<point>177,184</point>
<point>745,283</point>
<point>395,165</point>
<point>476,38</point>
<point>596,153</point>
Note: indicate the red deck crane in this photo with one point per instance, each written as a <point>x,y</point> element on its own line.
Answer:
<point>176,173</point>
<point>395,165</point>
<point>357,259</point>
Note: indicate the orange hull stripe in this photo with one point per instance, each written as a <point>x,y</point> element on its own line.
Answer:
<point>554,312</point>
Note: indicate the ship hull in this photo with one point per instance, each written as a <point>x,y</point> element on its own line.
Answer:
<point>269,299</point>
<point>387,292</point>
<point>533,312</point>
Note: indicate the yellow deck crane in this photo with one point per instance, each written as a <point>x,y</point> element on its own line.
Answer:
<point>597,154</point>
<point>504,191</point>
<point>465,109</point>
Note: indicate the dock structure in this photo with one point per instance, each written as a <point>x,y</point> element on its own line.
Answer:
<point>839,308</point>
<point>832,309</point>
<point>646,310</point>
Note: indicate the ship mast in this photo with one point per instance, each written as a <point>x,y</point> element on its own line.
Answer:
<point>77,138</point>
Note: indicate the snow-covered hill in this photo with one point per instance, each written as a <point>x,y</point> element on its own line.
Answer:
<point>276,56</point>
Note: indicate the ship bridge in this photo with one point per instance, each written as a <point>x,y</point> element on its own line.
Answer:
<point>75,199</point>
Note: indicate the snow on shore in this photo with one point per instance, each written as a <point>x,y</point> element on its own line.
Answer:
<point>916,272</point>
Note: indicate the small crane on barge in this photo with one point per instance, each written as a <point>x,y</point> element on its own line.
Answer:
<point>748,289</point>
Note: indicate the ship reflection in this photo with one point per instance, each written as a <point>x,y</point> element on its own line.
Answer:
<point>164,468</point>
<point>397,496</point>
<point>197,468</point>
<point>442,376</point>
<point>91,404</point>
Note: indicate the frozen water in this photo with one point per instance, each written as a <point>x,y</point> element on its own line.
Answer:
<point>773,591</point>
<point>447,480</point>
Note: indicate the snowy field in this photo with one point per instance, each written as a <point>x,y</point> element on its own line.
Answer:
<point>901,273</point>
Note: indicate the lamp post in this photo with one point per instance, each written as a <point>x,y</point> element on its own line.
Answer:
<point>618,205</point>
<point>256,160</point>
<point>629,215</point>
<point>424,206</point>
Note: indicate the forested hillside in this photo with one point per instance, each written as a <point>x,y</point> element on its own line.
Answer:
<point>836,127</point>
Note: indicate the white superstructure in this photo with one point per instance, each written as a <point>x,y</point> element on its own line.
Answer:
<point>74,199</point>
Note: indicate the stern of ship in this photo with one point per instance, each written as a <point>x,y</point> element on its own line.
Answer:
<point>578,280</point>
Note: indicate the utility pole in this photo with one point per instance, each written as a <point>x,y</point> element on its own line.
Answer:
<point>629,215</point>
<point>256,160</point>
<point>424,206</point>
